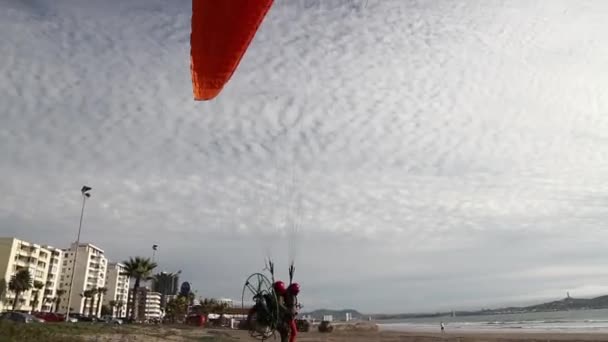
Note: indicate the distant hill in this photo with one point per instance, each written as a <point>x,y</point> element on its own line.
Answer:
<point>565,304</point>
<point>571,304</point>
<point>558,305</point>
<point>337,314</point>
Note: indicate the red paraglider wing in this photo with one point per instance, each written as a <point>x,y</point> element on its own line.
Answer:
<point>221,33</point>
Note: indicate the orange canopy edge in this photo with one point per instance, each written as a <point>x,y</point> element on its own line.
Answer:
<point>221,33</point>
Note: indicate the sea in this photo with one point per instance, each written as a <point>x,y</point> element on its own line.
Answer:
<point>578,321</point>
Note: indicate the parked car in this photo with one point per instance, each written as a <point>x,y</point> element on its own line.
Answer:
<point>302,325</point>
<point>20,317</point>
<point>73,318</point>
<point>83,318</point>
<point>50,316</point>
<point>196,319</point>
<point>326,327</point>
<point>111,320</point>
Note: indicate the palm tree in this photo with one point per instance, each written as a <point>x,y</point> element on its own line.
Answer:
<point>2,289</point>
<point>59,293</point>
<point>207,305</point>
<point>100,292</point>
<point>88,300</point>
<point>119,305</point>
<point>112,304</point>
<point>38,285</point>
<point>139,269</point>
<point>92,292</point>
<point>20,282</point>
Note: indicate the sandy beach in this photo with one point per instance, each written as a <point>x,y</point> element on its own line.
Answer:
<point>355,335</point>
<point>351,333</point>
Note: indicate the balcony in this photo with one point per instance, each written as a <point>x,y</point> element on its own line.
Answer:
<point>27,249</point>
<point>25,259</point>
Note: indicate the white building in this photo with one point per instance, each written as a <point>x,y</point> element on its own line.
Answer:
<point>90,271</point>
<point>52,280</point>
<point>118,289</point>
<point>16,255</point>
<point>149,304</point>
<point>153,308</point>
<point>226,301</point>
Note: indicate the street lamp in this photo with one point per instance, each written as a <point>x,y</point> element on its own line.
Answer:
<point>85,194</point>
<point>154,249</point>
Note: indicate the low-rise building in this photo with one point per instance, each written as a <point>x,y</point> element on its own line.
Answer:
<point>149,305</point>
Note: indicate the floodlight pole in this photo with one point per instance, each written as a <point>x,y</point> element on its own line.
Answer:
<point>85,194</point>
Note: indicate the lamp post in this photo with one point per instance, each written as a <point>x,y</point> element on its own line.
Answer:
<point>154,249</point>
<point>152,281</point>
<point>85,194</point>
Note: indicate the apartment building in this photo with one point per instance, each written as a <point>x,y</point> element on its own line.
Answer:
<point>118,289</point>
<point>49,300</point>
<point>16,255</point>
<point>88,264</point>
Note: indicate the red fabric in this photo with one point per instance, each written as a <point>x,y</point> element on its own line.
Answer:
<point>294,289</point>
<point>294,331</point>
<point>221,33</point>
<point>279,287</point>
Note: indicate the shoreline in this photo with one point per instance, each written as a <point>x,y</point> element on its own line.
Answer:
<point>492,336</point>
<point>389,328</point>
<point>374,331</point>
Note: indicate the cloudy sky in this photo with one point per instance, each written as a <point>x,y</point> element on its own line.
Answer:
<point>410,155</point>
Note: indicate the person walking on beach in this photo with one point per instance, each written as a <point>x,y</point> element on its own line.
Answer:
<point>442,328</point>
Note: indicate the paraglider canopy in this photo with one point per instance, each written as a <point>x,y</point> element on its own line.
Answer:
<point>221,33</point>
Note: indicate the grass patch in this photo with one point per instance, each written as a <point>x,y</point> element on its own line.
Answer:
<point>56,332</point>
<point>12,332</point>
<point>98,332</point>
